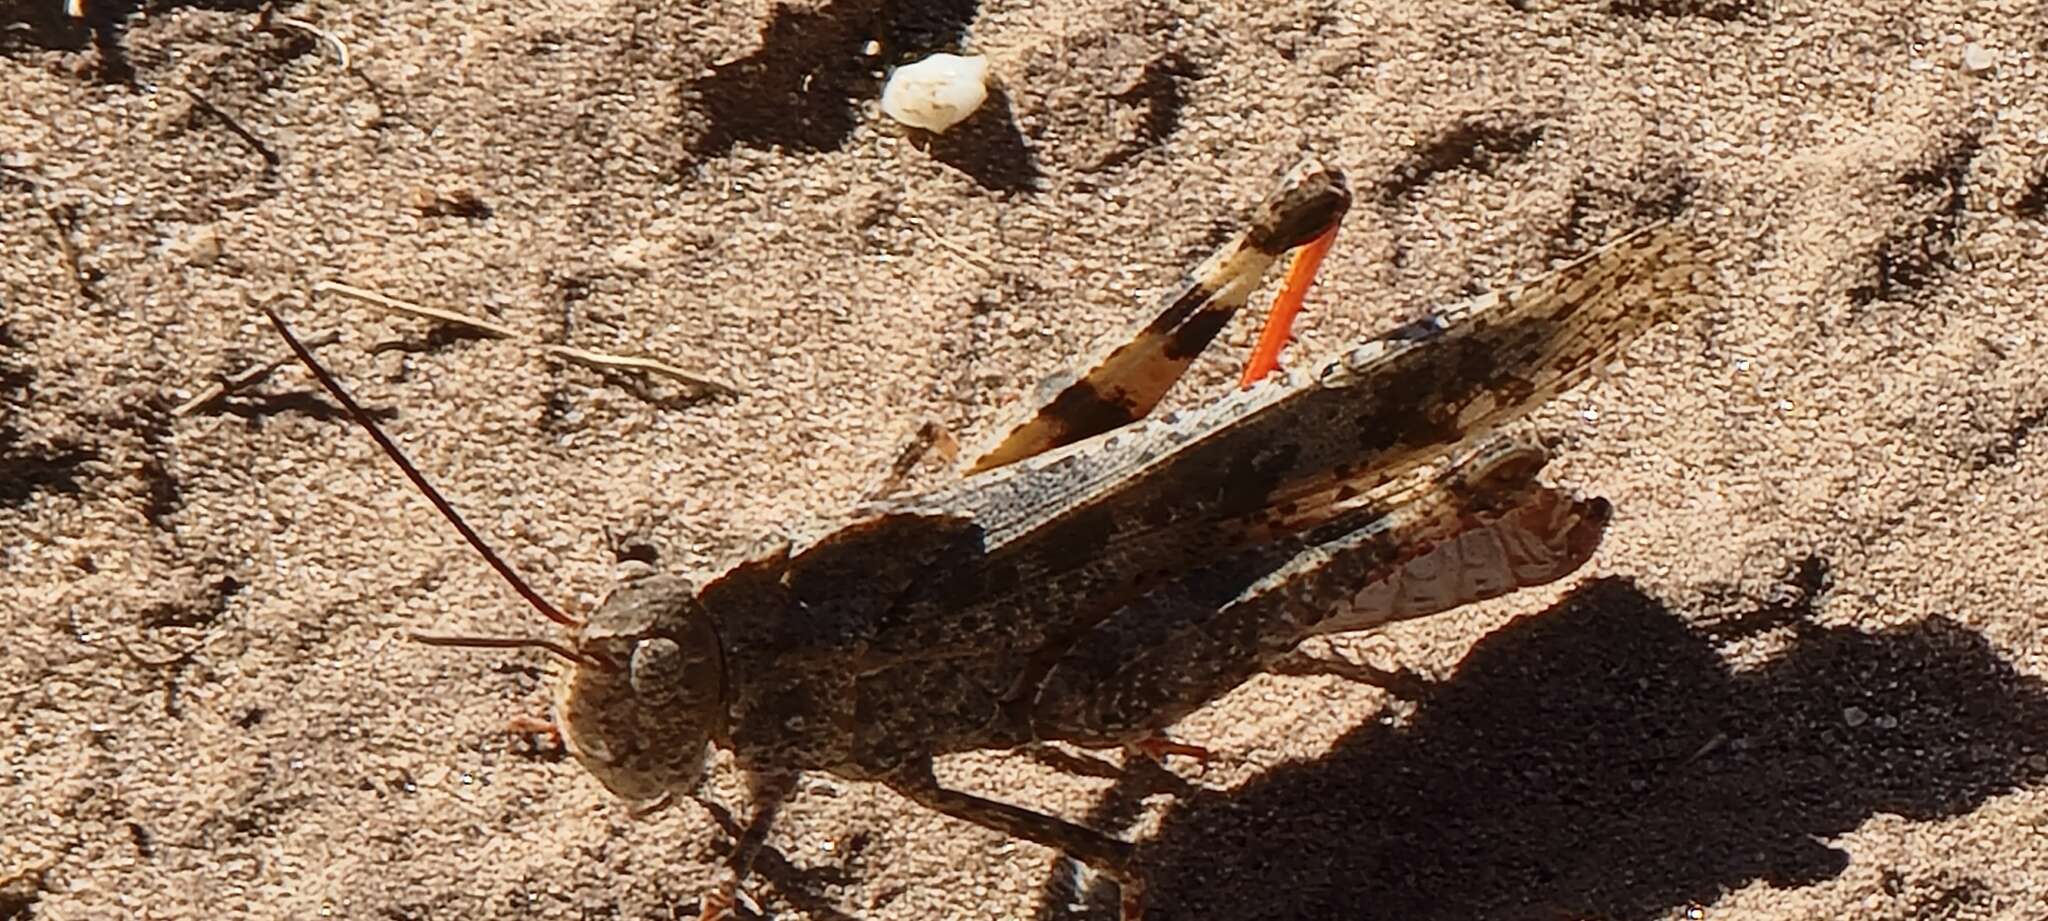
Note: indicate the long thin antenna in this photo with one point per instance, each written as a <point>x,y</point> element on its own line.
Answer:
<point>500,642</point>
<point>412,473</point>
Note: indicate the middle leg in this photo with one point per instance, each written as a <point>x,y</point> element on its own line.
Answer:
<point>1103,853</point>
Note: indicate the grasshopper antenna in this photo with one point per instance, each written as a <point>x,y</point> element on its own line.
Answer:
<point>558,650</point>
<point>355,411</point>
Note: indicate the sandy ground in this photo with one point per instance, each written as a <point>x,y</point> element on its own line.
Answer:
<point>1803,679</point>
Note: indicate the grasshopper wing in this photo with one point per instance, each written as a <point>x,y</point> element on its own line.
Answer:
<point>1098,519</point>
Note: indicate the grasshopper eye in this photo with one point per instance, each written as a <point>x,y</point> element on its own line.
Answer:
<point>664,673</point>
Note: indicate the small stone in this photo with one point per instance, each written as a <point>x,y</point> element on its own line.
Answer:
<point>1854,716</point>
<point>200,248</point>
<point>936,93</point>
<point>1977,58</point>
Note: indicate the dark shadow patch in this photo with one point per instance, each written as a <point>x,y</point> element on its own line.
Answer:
<point>1914,256</point>
<point>1161,91</point>
<point>252,813</point>
<point>29,469</point>
<point>28,465</point>
<point>150,421</point>
<point>143,839</point>
<point>1726,11</point>
<point>2033,203</point>
<point>258,407</point>
<point>2007,447</point>
<point>43,25</point>
<point>574,289</point>
<point>988,148</point>
<point>436,339</point>
<point>1602,760</point>
<point>18,897</point>
<point>1662,195</point>
<point>635,547</point>
<point>162,494</point>
<point>452,202</point>
<point>198,606</point>
<point>802,89</point>
<point>658,392</point>
<point>1478,146</point>
<point>1599,211</point>
<point>1670,198</point>
<point>911,29</point>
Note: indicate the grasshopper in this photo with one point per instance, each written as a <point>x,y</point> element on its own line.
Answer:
<point>1098,575</point>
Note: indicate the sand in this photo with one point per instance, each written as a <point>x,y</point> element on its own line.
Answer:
<point>1804,678</point>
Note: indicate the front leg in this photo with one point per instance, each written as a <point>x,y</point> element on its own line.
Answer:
<point>1105,854</point>
<point>765,794</point>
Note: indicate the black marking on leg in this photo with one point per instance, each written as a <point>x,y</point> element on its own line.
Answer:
<point>1082,410</point>
<point>1193,296</point>
<point>1188,341</point>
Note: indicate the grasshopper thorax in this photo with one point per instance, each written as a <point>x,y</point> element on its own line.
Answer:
<point>640,705</point>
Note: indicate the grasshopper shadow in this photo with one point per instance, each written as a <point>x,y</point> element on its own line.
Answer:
<point>1603,760</point>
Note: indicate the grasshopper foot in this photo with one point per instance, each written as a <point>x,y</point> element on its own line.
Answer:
<point>540,736</point>
<point>1158,747</point>
<point>717,905</point>
<point>727,903</point>
<point>1132,903</point>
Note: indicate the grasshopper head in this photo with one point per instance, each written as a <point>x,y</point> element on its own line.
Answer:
<point>638,709</point>
<point>647,686</point>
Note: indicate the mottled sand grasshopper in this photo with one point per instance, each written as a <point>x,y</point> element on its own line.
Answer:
<point>1099,575</point>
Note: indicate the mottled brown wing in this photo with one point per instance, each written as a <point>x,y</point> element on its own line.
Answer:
<point>1131,376</point>
<point>1443,551</point>
<point>1093,520</point>
<point>1481,528</point>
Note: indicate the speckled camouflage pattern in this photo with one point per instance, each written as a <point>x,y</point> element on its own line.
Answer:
<point>1103,574</point>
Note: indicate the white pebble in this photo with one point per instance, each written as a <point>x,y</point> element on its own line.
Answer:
<point>936,93</point>
<point>1978,59</point>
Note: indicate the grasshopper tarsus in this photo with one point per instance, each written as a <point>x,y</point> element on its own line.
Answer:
<point>1158,747</point>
